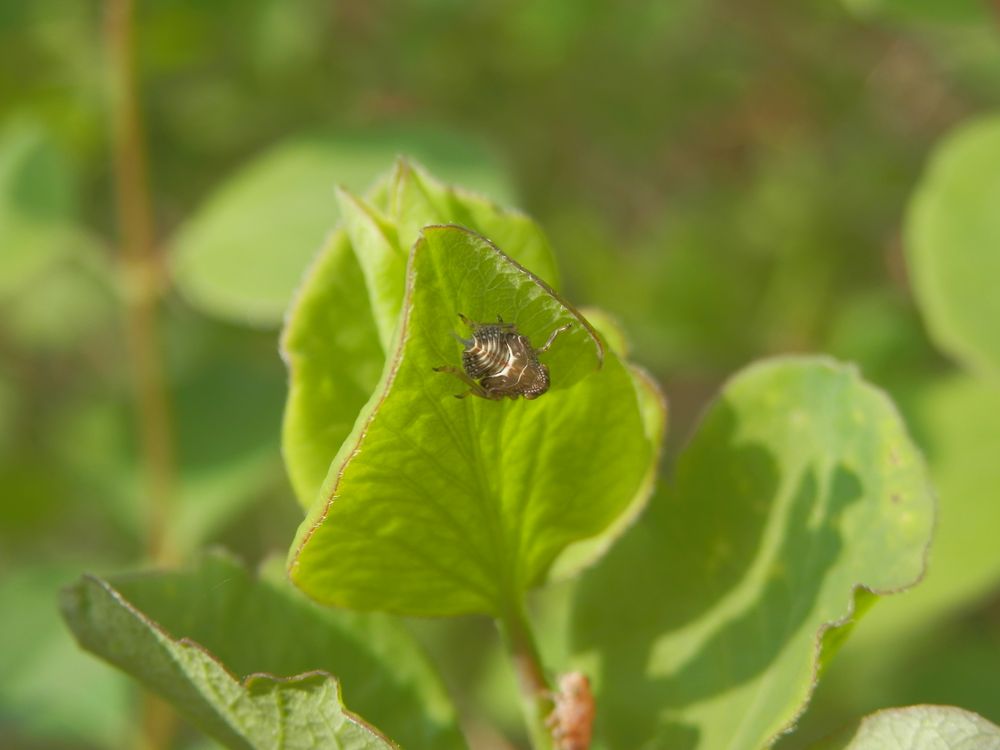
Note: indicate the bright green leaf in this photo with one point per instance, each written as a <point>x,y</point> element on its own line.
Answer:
<point>382,260</point>
<point>952,236</point>
<point>653,407</point>
<point>254,664</point>
<point>702,625</point>
<point>331,345</point>
<point>417,199</point>
<point>436,505</point>
<point>335,337</point>
<point>243,254</point>
<point>920,728</point>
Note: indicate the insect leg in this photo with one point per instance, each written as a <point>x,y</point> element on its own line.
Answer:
<point>552,337</point>
<point>474,388</point>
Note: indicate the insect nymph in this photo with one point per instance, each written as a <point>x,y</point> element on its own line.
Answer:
<point>499,361</point>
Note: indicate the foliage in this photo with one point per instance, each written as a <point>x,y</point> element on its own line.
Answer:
<point>251,662</point>
<point>921,727</point>
<point>726,184</point>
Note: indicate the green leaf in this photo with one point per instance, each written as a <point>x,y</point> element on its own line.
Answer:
<point>37,203</point>
<point>417,200</point>
<point>653,408</point>
<point>74,298</point>
<point>920,728</point>
<point>959,417</point>
<point>382,260</point>
<point>36,697</point>
<point>439,506</point>
<point>242,255</point>
<point>226,414</point>
<point>337,335</point>
<point>902,637</point>
<point>252,662</point>
<point>332,348</point>
<point>926,11</point>
<point>702,627</point>
<point>952,236</point>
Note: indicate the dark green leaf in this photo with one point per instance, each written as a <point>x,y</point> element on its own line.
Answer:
<point>253,663</point>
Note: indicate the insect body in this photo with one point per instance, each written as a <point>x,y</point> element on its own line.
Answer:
<point>499,361</point>
<point>572,719</point>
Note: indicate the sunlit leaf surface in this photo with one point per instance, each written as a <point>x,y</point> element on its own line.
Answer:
<point>243,254</point>
<point>438,505</point>
<point>702,625</point>
<point>920,728</point>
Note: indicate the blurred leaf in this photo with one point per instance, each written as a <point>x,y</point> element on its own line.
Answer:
<point>37,203</point>
<point>243,254</point>
<point>920,728</point>
<point>436,505</point>
<point>250,661</point>
<point>36,697</point>
<point>8,411</point>
<point>228,424</point>
<point>332,343</point>
<point>928,11</point>
<point>227,416</point>
<point>881,332</point>
<point>800,486</point>
<point>73,299</point>
<point>952,236</point>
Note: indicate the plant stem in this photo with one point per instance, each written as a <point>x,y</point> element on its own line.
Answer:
<point>536,692</point>
<point>139,269</point>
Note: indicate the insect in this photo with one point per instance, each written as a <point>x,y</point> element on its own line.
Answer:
<point>572,719</point>
<point>499,361</point>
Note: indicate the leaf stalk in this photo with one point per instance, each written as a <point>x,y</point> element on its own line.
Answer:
<point>536,691</point>
<point>140,268</point>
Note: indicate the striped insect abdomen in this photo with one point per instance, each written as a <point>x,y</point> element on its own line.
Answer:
<point>499,362</point>
<point>504,362</point>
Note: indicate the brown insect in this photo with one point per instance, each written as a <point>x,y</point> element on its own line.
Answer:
<point>499,361</point>
<point>572,719</point>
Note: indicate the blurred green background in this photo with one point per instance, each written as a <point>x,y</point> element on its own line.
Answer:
<point>729,178</point>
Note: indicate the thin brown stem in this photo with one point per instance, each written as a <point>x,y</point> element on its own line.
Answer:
<point>140,271</point>
<point>536,692</point>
